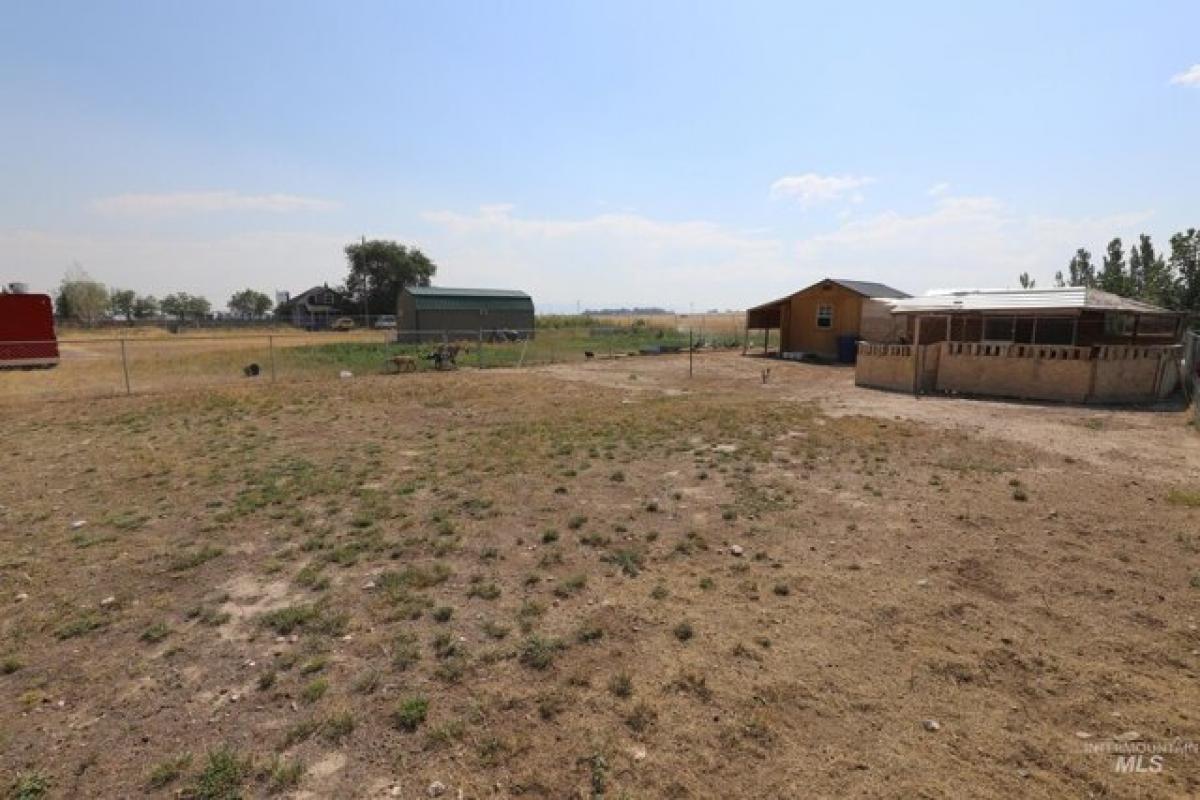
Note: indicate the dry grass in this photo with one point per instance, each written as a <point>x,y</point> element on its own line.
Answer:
<point>439,579</point>
<point>153,360</point>
<point>722,324</point>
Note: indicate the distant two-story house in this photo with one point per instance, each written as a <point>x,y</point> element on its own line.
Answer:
<point>317,308</point>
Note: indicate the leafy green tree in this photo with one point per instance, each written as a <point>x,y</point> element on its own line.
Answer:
<point>1158,284</point>
<point>184,306</point>
<point>380,268</point>
<point>1135,280</point>
<point>122,303</point>
<point>1114,277</point>
<point>198,307</point>
<point>82,299</point>
<point>249,303</point>
<point>1080,270</point>
<point>1184,262</point>
<point>145,307</point>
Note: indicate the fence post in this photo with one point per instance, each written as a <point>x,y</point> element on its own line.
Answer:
<point>125,368</point>
<point>480,356</point>
<point>271,351</point>
<point>691,351</point>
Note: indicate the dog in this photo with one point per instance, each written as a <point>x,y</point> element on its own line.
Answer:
<point>445,356</point>
<point>403,363</point>
<point>251,370</point>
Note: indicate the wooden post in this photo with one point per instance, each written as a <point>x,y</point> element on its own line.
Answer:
<point>524,347</point>
<point>125,367</point>
<point>766,341</point>
<point>271,351</point>
<point>479,356</point>
<point>691,350</point>
<point>916,357</point>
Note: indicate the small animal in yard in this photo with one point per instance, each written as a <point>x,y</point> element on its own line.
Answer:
<point>403,363</point>
<point>251,370</point>
<point>445,356</point>
<point>766,375</point>
<point>589,355</point>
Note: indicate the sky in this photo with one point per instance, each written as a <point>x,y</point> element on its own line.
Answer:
<point>690,155</point>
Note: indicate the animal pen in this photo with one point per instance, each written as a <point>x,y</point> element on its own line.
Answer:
<point>106,365</point>
<point>1070,345</point>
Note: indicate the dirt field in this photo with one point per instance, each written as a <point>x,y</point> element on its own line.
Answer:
<point>595,580</point>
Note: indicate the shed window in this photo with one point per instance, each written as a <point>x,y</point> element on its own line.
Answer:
<point>1152,325</point>
<point>999,329</point>
<point>1054,330</point>
<point>1116,324</point>
<point>824,316</point>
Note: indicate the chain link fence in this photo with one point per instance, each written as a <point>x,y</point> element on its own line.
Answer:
<point>98,366</point>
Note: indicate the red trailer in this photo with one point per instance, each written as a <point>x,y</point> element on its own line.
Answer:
<point>27,339</point>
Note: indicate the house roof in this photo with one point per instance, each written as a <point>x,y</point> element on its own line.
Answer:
<point>306,297</point>
<point>443,298</point>
<point>446,291</point>
<point>1071,298</point>
<point>868,289</point>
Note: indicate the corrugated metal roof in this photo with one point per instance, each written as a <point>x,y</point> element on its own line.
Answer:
<point>441,298</point>
<point>1071,298</point>
<point>866,288</point>
<point>869,288</point>
<point>446,291</point>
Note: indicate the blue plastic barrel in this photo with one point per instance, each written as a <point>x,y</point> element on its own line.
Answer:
<point>847,348</point>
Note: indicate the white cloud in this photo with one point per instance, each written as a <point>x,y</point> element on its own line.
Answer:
<point>135,204</point>
<point>1189,77</point>
<point>623,259</point>
<point>600,260</point>
<point>961,241</point>
<point>608,259</point>
<point>938,189</point>
<point>212,266</point>
<point>812,189</point>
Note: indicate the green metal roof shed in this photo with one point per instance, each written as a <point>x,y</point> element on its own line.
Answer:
<point>438,309</point>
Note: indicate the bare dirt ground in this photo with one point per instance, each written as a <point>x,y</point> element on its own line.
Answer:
<point>603,579</point>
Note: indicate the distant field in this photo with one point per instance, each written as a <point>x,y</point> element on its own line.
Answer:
<point>731,324</point>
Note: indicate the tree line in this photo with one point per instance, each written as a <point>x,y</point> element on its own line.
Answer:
<point>377,269</point>
<point>87,301</point>
<point>1169,280</point>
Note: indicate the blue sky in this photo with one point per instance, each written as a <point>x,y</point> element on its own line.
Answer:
<point>605,153</point>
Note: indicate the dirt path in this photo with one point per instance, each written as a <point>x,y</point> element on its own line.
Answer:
<point>1130,442</point>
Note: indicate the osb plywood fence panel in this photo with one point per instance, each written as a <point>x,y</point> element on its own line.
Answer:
<point>1107,374</point>
<point>885,367</point>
